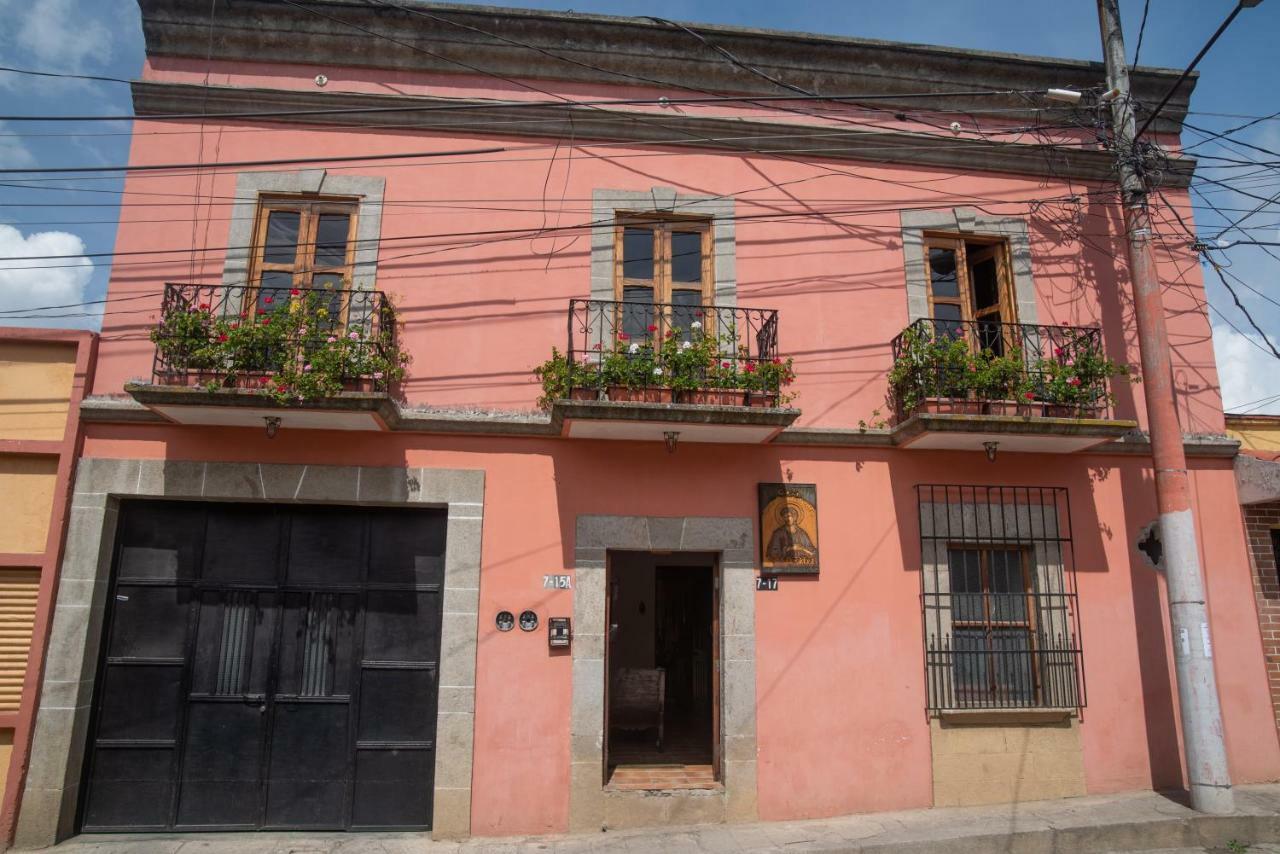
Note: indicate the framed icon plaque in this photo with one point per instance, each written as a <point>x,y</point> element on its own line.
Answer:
<point>788,528</point>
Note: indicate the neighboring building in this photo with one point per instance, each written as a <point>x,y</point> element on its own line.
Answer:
<point>43,376</point>
<point>1258,478</point>
<point>335,600</point>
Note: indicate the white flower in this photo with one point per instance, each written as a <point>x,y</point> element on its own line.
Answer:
<point>634,348</point>
<point>697,324</point>
<point>657,372</point>
<point>686,345</point>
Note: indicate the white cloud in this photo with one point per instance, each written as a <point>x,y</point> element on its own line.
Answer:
<point>1248,375</point>
<point>13,153</point>
<point>26,285</point>
<point>63,36</point>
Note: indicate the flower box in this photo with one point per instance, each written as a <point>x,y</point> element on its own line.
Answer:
<point>584,393</point>
<point>763,399</point>
<point>715,397</point>
<point>1023,408</point>
<point>1068,410</point>
<point>951,406</point>
<point>644,394</point>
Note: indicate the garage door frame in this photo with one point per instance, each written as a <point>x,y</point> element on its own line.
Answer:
<point>50,797</point>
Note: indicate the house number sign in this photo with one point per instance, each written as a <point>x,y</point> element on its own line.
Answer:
<point>767,582</point>
<point>557,582</point>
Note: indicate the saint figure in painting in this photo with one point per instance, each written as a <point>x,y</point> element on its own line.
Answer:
<point>790,543</point>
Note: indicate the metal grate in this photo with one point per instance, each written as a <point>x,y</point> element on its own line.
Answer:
<point>747,338</point>
<point>239,611</point>
<point>998,592</point>
<point>930,370</point>
<point>317,649</point>
<point>190,316</point>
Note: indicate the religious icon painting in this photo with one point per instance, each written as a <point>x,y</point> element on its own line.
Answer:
<point>788,528</point>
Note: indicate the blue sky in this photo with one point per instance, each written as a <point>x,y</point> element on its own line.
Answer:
<point>103,37</point>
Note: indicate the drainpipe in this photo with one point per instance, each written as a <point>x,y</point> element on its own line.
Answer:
<point>1202,733</point>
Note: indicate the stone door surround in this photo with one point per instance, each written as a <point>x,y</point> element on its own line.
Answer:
<point>50,798</point>
<point>591,807</point>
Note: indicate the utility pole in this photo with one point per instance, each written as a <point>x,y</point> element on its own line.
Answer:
<point>1202,734</point>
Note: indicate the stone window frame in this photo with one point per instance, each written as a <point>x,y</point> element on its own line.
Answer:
<point>252,186</point>
<point>966,221</point>
<point>51,793</point>
<point>591,805</point>
<point>606,204</point>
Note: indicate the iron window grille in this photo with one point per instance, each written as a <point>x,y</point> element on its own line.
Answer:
<point>999,598</point>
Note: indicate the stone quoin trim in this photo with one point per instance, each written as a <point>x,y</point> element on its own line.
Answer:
<point>966,221</point>
<point>733,539</point>
<point>50,799</point>
<point>606,204</point>
<point>250,187</point>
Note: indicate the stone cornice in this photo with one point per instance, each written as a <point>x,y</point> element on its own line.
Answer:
<point>584,123</point>
<point>569,46</point>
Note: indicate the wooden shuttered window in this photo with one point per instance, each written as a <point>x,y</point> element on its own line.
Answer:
<point>302,243</point>
<point>19,589</point>
<point>666,262</point>
<point>970,287</point>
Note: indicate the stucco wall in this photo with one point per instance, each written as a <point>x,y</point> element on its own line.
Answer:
<point>485,295</point>
<point>35,385</point>
<point>839,685</point>
<point>995,763</point>
<point>43,374</point>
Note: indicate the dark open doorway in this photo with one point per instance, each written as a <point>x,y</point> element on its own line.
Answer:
<point>662,722</point>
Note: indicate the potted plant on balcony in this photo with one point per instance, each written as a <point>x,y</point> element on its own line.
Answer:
<point>998,379</point>
<point>1073,384</point>
<point>934,375</point>
<point>766,381</point>
<point>563,378</point>
<point>631,372</point>
<point>298,351</point>
<point>698,370</point>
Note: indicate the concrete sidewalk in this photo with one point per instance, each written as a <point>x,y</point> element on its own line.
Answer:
<point>1110,823</point>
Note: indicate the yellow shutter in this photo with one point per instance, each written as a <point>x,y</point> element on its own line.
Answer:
<point>18,591</point>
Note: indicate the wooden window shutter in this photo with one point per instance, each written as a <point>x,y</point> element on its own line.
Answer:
<point>18,591</point>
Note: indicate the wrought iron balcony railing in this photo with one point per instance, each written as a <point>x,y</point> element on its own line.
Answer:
<point>986,367</point>
<point>662,352</point>
<point>236,336</point>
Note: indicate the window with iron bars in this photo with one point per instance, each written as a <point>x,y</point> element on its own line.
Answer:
<point>1001,616</point>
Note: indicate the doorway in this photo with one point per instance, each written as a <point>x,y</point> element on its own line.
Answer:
<point>267,667</point>
<point>662,706</point>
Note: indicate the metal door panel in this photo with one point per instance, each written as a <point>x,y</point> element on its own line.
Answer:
<point>268,667</point>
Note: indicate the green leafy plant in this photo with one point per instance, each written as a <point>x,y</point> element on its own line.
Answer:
<point>296,352</point>
<point>1075,375</point>
<point>689,361</point>
<point>928,366</point>
<point>1237,847</point>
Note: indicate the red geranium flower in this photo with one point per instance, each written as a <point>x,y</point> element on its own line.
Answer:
<point>1058,351</point>
<point>1029,396</point>
<point>268,300</point>
<point>244,314</point>
<point>293,293</point>
<point>222,337</point>
<point>1075,381</point>
<point>262,311</point>
<point>652,328</point>
<point>751,367</point>
<point>204,306</point>
<point>622,336</point>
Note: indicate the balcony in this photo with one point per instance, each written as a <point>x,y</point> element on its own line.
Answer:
<point>644,371</point>
<point>961,385</point>
<point>240,356</point>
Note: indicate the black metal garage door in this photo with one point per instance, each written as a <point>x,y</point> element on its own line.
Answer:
<point>267,667</point>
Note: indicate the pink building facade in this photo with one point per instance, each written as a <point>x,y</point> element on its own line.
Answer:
<point>349,610</point>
